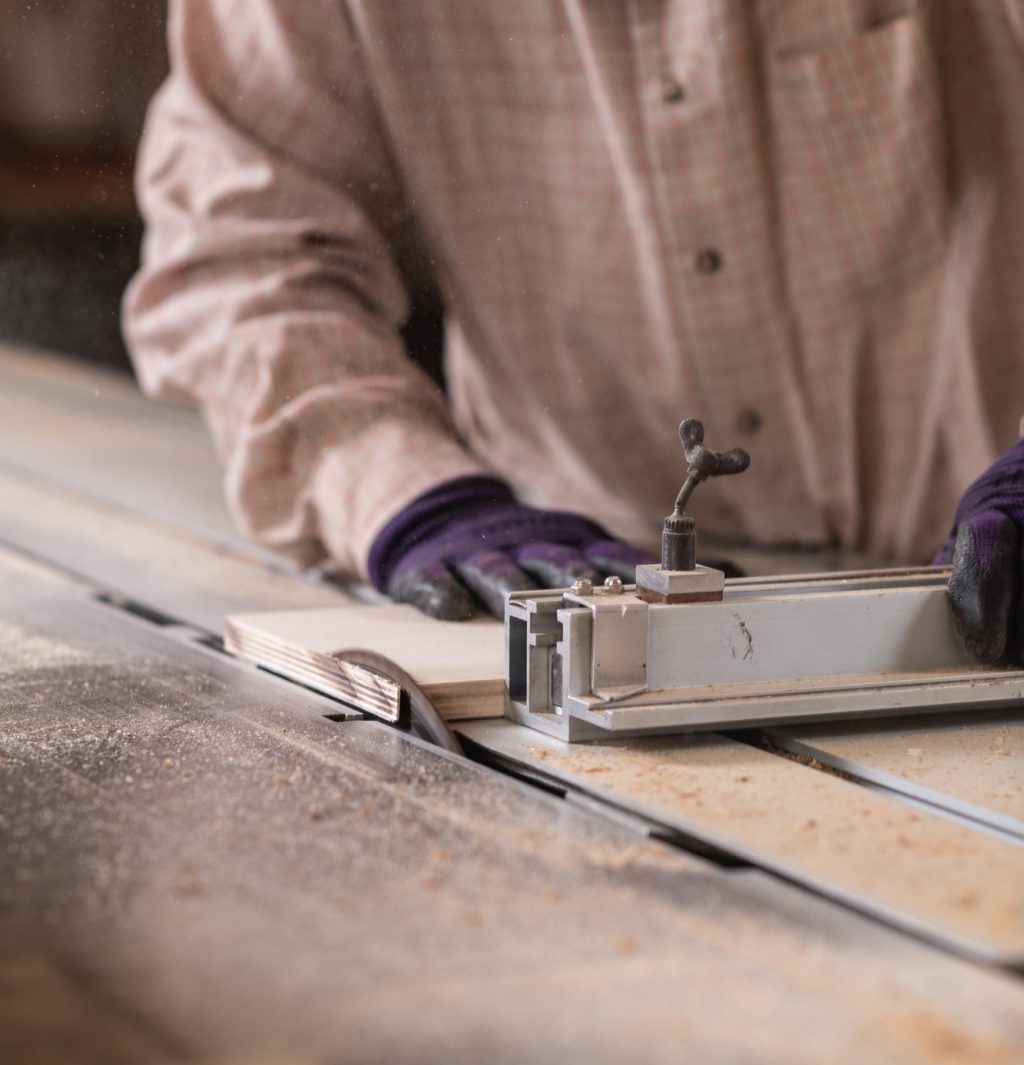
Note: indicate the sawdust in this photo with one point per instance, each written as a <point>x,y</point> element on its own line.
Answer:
<point>811,762</point>
<point>625,943</point>
<point>190,883</point>
<point>23,650</point>
<point>935,1036</point>
<point>922,865</point>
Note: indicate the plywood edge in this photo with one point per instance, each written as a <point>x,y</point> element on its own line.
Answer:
<point>464,678</point>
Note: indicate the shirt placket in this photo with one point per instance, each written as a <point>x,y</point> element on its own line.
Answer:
<point>712,200</point>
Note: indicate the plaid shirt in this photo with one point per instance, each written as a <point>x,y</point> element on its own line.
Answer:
<point>799,220</point>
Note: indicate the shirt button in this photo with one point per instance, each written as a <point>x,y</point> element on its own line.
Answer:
<point>672,91</point>
<point>708,261</point>
<point>749,421</point>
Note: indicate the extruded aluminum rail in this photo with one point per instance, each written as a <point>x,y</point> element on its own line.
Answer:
<point>773,651</point>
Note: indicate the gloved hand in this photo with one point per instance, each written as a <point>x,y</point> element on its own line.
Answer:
<point>470,538</point>
<point>986,547</point>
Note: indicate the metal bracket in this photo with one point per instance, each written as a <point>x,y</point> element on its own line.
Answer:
<point>582,666</point>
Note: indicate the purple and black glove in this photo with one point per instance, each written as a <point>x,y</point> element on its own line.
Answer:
<point>469,541</point>
<point>986,548</point>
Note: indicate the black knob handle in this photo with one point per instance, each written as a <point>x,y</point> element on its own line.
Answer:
<point>679,537</point>
<point>704,462</point>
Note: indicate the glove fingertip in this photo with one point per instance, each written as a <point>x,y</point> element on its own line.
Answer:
<point>1014,654</point>
<point>982,586</point>
<point>491,575</point>
<point>617,558</point>
<point>439,596</point>
<point>554,565</point>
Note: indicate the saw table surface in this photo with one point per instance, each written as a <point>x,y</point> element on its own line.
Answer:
<point>201,861</point>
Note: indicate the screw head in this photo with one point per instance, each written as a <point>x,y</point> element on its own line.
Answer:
<point>613,585</point>
<point>582,586</point>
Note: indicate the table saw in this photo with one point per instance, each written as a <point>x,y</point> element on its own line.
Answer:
<point>203,859</point>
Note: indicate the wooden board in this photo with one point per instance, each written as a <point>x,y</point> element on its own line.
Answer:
<point>927,874</point>
<point>970,763</point>
<point>199,869</point>
<point>459,665</point>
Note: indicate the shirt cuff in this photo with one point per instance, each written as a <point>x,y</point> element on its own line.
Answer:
<point>360,487</point>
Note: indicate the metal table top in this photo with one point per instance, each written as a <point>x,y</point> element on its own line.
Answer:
<point>196,863</point>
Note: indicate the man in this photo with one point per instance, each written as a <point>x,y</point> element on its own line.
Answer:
<point>799,220</point>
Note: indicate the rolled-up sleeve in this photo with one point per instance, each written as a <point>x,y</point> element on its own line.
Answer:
<point>269,292</point>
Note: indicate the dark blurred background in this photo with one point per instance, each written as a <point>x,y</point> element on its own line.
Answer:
<point>75,79</point>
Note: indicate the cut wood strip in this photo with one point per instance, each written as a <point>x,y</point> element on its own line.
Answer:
<point>939,879</point>
<point>970,763</point>
<point>459,665</point>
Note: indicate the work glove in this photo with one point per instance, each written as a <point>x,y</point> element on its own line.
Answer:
<point>986,548</point>
<point>469,541</point>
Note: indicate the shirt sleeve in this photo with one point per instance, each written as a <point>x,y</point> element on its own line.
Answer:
<point>268,291</point>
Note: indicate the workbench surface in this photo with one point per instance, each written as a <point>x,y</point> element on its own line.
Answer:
<point>199,861</point>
